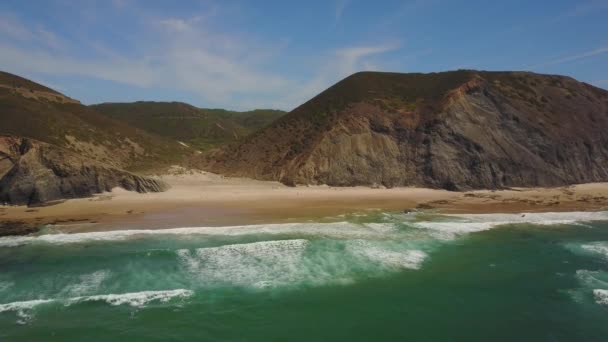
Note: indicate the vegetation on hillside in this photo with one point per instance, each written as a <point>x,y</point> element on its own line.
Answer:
<point>197,127</point>
<point>81,129</point>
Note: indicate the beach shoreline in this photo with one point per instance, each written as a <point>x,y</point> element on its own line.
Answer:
<point>204,199</point>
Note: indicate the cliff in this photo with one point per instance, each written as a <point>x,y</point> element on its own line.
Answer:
<point>34,173</point>
<point>453,130</point>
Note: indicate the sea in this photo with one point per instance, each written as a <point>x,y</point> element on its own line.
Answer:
<point>370,276</point>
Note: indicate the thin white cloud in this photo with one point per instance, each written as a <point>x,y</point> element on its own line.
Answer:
<point>23,60</point>
<point>572,58</point>
<point>350,58</point>
<point>11,29</point>
<point>229,70</point>
<point>338,64</point>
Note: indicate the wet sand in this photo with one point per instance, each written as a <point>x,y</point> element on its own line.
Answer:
<point>204,199</point>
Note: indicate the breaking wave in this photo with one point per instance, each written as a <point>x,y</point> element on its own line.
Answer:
<point>471,223</point>
<point>88,283</point>
<point>260,264</point>
<point>600,248</point>
<point>601,296</point>
<point>25,309</point>
<point>134,299</point>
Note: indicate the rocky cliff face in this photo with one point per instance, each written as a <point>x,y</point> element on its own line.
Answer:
<point>456,130</point>
<point>33,173</point>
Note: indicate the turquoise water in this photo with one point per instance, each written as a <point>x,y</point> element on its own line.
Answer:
<point>376,276</point>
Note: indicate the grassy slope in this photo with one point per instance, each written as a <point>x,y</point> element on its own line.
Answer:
<point>200,128</point>
<point>51,122</point>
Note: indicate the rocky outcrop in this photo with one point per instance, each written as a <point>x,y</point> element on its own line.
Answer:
<point>34,173</point>
<point>458,130</point>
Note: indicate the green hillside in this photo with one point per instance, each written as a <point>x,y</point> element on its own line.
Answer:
<point>31,110</point>
<point>200,128</point>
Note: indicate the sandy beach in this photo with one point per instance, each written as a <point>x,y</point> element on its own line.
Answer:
<point>204,199</point>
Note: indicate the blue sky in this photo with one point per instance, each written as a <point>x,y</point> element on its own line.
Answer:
<point>278,54</point>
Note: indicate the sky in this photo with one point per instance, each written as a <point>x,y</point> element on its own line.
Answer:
<point>241,55</point>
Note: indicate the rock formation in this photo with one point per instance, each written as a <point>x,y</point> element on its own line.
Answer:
<point>454,130</point>
<point>34,173</point>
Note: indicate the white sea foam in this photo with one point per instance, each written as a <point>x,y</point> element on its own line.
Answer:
<point>23,309</point>
<point>336,229</point>
<point>598,248</point>
<point>89,283</point>
<point>24,305</point>
<point>470,223</point>
<point>592,279</point>
<point>411,259</point>
<point>5,285</point>
<point>381,228</point>
<point>258,264</point>
<point>135,299</point>
<point>601,296</point>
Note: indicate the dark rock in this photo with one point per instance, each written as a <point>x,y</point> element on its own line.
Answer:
<point>16,228</point>
<point>35,173</point>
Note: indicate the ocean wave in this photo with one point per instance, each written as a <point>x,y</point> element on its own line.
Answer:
<point>471,223</point>
<point>24,305</point>
<point>411,259</point>
<point>592,279</point>
<point>336,229</point>
<point>5,285</point>
<point>600,248</point>
<point>24,309</point>
<point>592,282</point>
<point>299,262</point>
<point>257,264</point>
<point>88,283</point>
<point>135,299</point>
<point>601,296</point>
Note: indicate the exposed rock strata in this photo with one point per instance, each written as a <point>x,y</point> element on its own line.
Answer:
<point>457,130</point>
<point>34,173</point>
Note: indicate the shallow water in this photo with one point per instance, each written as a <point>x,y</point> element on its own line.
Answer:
<point>380,276</point>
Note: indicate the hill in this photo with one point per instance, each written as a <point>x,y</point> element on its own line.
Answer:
<point>35,111</point>
<point>455,130</point>
<point>200,128</point>
<point>52,148</point>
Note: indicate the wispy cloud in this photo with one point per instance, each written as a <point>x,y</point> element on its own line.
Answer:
<point>232,70</point>
<point>11,29</point>
<point>337,64</point>
<point>572,58</point>
<point>350,58</point>
<point>183,55</point>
